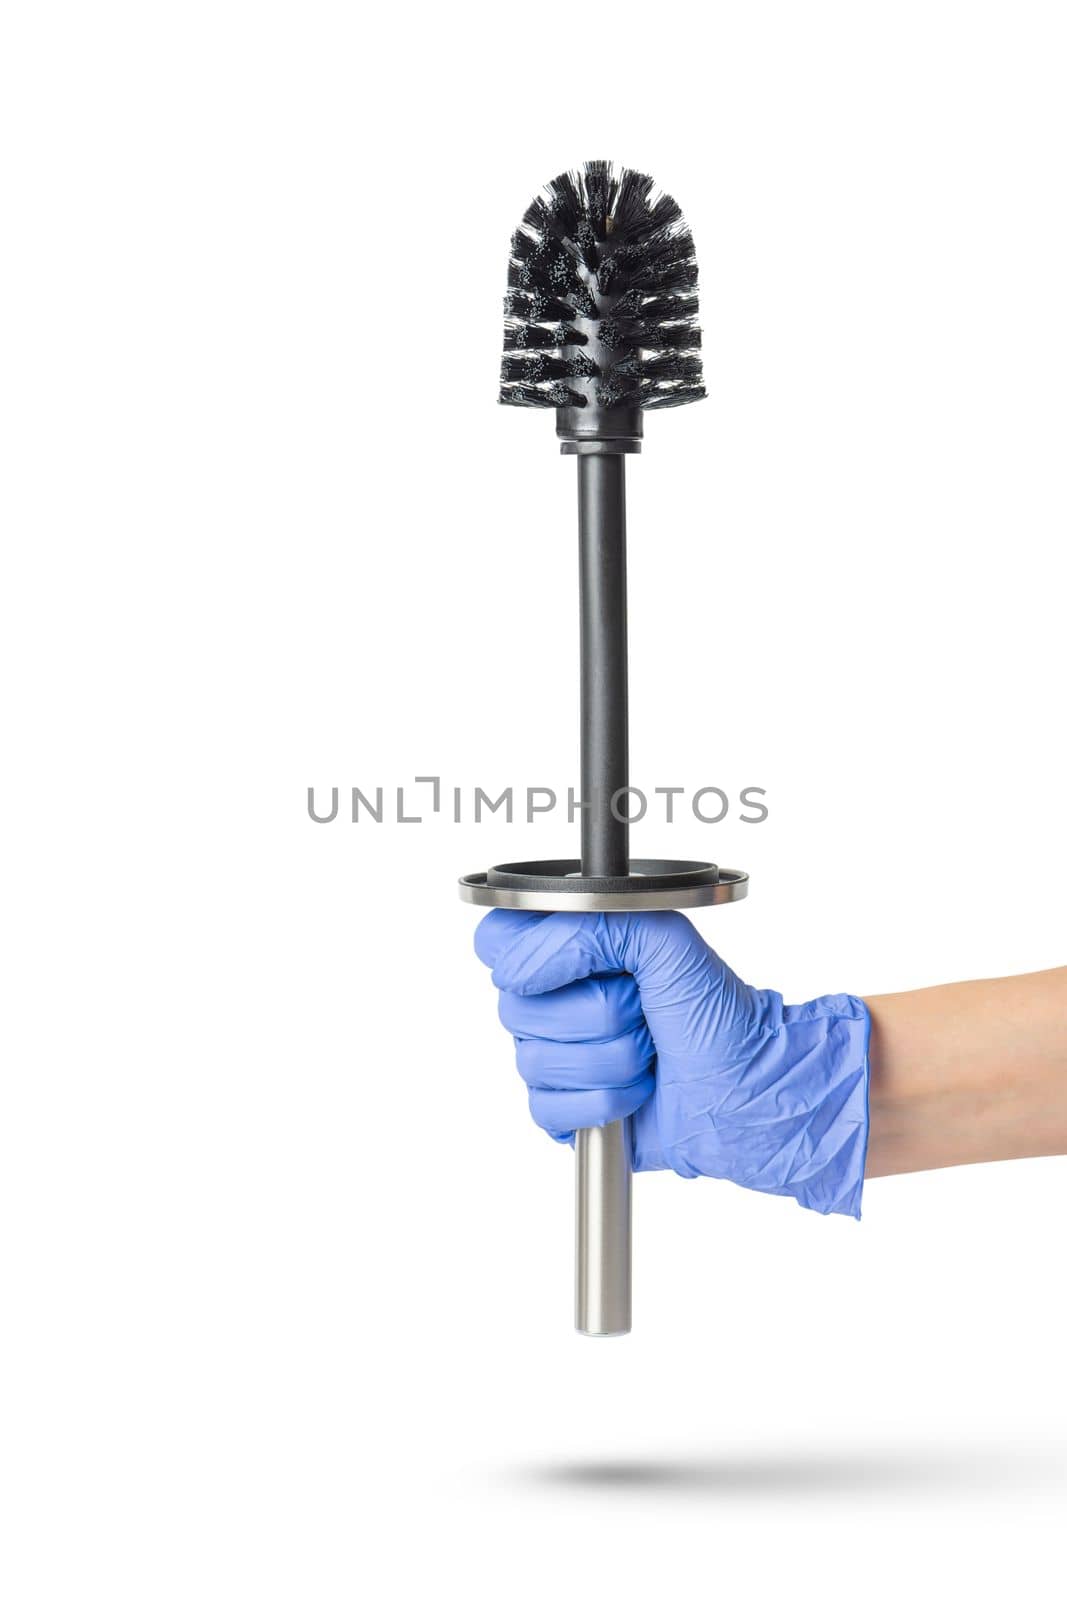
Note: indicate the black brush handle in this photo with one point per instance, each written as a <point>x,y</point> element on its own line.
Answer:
<point>605,732</point>
<point>603,1179</point>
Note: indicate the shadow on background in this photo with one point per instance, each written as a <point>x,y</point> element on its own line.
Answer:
<point>978,1468</point>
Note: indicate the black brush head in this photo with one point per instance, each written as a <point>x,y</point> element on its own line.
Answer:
<point>601,309</point>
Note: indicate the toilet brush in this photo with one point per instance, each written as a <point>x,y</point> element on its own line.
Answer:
<point>601,326</point>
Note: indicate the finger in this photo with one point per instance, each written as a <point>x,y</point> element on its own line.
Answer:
<point>593,1008</point>
<point>498,929</point>
<point>679,977</point>
<point>552,951</point>
<point>561,1111</point>
<point>600,1064</point>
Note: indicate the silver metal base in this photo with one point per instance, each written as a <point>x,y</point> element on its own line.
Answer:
<point>732,885</point>
<point>602,1265</point>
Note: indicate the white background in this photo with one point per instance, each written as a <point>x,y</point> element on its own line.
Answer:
<point>285,1272</point>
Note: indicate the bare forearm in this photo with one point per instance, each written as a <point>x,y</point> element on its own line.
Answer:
<point>968,1072</point>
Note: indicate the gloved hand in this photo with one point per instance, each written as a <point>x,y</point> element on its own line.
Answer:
<point>633,1015</point>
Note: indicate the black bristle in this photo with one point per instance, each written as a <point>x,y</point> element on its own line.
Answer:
<point>527,336</point>
<point>672,367</point>
<point>673,397</point>
<point>537,307</point>
<point>633,334</point>
<point>667,307</point>
<point>601,261</point>
<point>523,245</point>
<point>557,394</point>
<point>538,367</point>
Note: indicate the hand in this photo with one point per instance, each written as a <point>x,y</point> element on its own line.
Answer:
<point>632,1015</point>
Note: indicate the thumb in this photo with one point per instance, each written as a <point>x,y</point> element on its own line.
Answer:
<point>687,990</point>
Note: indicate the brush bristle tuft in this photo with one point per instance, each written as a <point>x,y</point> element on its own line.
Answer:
<point>601,261</point>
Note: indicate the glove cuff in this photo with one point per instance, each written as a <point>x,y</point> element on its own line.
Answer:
<point>784,1113</point>
<point>829,1039</point>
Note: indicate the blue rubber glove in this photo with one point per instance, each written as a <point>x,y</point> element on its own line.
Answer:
<point>633,1015</point>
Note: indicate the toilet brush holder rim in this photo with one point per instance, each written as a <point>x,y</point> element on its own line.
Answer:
<point>652,885</point>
